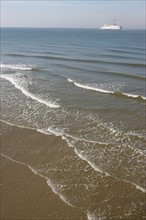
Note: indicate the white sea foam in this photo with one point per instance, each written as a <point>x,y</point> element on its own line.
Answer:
<point>85,86</point>
<point>43,131</point>
<point>70,80</point>
<point>140,188</point>
<point>62,197</point>
<point>93,216</point>
<point>51,185</point>
<point>134,96</point>
<point>15,161</point>
<point>15,82</point>
<point>64,137</point>
<point>85,140</point>
<point>90,87</point>
<point>16,66</point>
<point>81,156</point>
<point>49,182</point>
<point>57,132</point>
<point>137,135</point>
<point>20,126</point>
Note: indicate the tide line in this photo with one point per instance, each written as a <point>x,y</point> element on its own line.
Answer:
<point>49,182</point>
<point>64,137</point>
<point>43,131</point>
<point>15,161</point>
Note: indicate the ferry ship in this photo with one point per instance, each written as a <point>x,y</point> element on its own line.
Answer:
<point>111,27</point>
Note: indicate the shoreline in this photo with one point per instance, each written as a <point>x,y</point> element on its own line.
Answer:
<point>42,179</point>
<point>27,196</point>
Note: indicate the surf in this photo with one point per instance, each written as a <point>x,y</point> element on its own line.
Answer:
<point>104,91</point>
<point>16,66</point>
<point>65,137</point>
<point>15,82</point>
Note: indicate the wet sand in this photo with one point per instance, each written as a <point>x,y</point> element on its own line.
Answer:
<point>27,196</point>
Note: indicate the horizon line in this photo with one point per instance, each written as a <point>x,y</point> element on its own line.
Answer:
<point>69,27</point>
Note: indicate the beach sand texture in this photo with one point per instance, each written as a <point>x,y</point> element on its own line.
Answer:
<point>25,195</point>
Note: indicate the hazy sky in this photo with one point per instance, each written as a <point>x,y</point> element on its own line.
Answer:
<point>75,13</point>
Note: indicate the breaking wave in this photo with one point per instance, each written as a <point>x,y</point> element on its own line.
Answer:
<point>15,82</point>
<point>114,93</point>
<point>16,66</point>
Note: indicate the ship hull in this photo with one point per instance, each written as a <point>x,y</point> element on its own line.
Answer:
<point>111,27</point>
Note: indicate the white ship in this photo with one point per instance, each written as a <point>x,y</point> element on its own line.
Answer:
<point>111,27</point>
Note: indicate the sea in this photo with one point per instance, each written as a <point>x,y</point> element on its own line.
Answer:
<point>84,89</point>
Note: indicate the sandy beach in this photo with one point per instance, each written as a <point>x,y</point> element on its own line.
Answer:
<point>25,195</point>
<point>27,192</point>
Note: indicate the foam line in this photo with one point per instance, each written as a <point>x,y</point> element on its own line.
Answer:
<point>118,94</point>
<point>133,96</point>
<point>16,67</point>
<point>89,141</point>
<point>30,128</point>
<point>49,182</point>
<point>29,94</point>
<point>89,87</point>
<point>20,126</point>
<point>64,137</point>
<point>101,171</point>
<point>15,161</point>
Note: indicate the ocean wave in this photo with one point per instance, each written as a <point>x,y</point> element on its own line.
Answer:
<point>90,60</point>
<point>127,51</point>
<point>16,66</point>
<point>15,82</point>
<point>127,75</point>
<point>108,73</point>
<point>16,55</point>
<point>82,59</point>
<point>66,137</point>
<point>100,170</point>
<point>104,91</point>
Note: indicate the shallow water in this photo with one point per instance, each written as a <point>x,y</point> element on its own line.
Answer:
<point>85,87</point>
